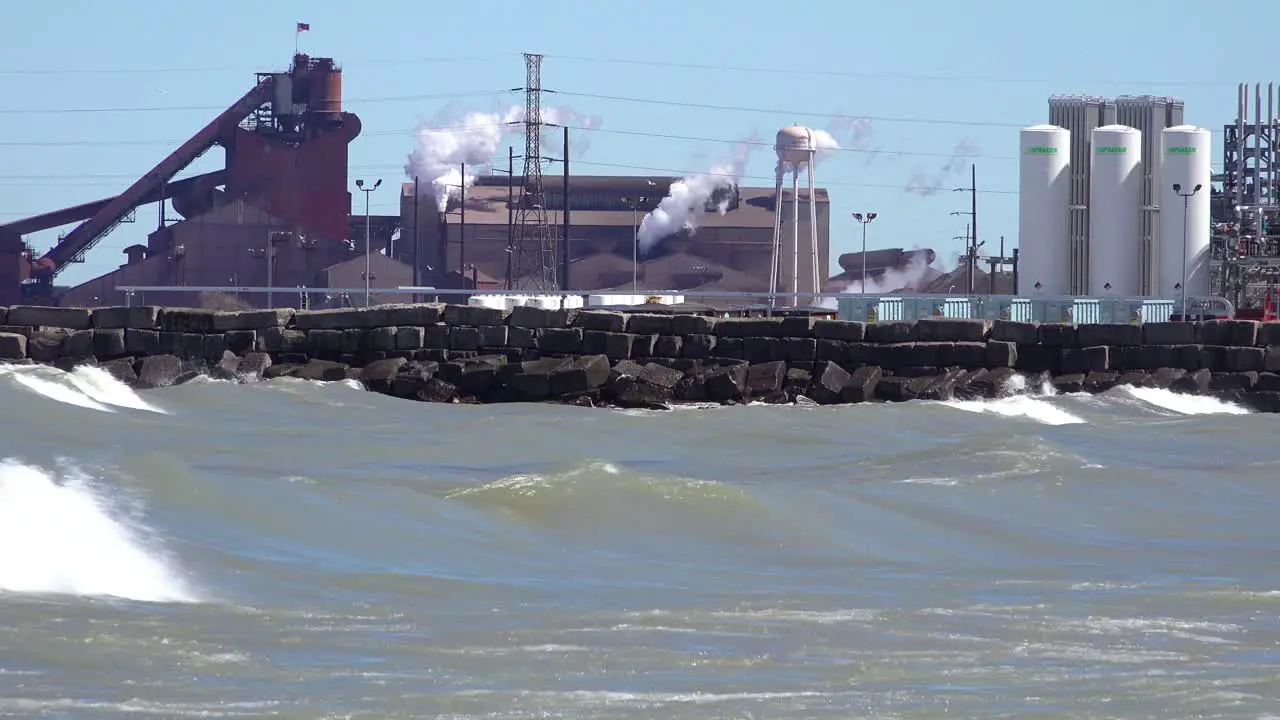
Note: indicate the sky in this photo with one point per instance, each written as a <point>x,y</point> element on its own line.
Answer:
<point>97,93</point>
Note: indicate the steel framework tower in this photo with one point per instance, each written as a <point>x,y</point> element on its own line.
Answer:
<point>533,250</point>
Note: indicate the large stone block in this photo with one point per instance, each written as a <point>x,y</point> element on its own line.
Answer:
<point>891,332</point>
<point>749,327</point>
<point>951,330</point>
<point>580,374</point>
<point>829,380</point>
<point>409,338</point>
<point>649,324</point>
<point>282,340</point>
<point>861,386</point>
<point>473,315</point>
<point>1001,354</point>
<point>1241,359</point>
<point>52,317</point>
<point>413,314</point>
<point>1169,333</point>
<point>536,318</point>
<point>727,382</point>
<point>1084,360</point>
<point>684,325</point>
<point>362,318</point>
<point>698,346</point>
<point>1269,333</point>
<point>240,341</point>
<point>186,320</point>
<point>1109,334</point>
<point>382,339</point>
<point>4,315</point>
<point>1059,335</point>
<point>108,344</point>
<point>252,319</point>
<point>668,346</point>
<point>601,321</point>
<point>836,351</point>
<point>141,343</point>
<point>843,330</point>
<point>530,381</point>
<point>141,317</point>
<point>1234,333</point>
<point>563,341</point>
<point>462,337</point>
<point>761,349</point>
<point>798,326</point>
<point>1019,333</point>
<point>522,338</point>
<point>79,344</point>
<point>159,371</point>
<point>13,346</point>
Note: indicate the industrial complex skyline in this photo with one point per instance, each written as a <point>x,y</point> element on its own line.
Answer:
<point>644,126</point>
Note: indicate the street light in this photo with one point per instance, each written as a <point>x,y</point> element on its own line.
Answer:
<point>864,220</point>
<point>635,235</point>
<point>1186,204</point>
<point>367,271</point>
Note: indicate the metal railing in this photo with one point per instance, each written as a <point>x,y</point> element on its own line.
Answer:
<point>847,306</point>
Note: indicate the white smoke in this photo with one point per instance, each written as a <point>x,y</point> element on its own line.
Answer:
<point>923,185</point>
<point>906,277</point>
<point>824,143</point>
<point>688,197</point>
<point>474,141</point>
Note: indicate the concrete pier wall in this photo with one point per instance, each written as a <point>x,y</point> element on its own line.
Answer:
<point>457,353</point>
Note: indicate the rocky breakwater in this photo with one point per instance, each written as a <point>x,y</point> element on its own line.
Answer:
<point>456,353</point>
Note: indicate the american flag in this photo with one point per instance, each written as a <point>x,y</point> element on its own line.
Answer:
<point>303,27</point>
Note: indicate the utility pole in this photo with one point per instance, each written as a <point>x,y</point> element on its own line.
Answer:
<point>564,220</point>
<point>462,228</point>
<point>416,237</point>
<point>367,269</point>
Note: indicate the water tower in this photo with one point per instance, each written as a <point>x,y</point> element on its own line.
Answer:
<point>795,147</point>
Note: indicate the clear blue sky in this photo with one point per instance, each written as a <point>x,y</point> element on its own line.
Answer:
<point>930,74</point>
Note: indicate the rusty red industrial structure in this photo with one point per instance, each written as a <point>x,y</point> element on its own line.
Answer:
<point>284,182</point>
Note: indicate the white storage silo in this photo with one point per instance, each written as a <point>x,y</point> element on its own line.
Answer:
<point>1115,211</point>
<point>1044,187</point>
<point>1185,160</point>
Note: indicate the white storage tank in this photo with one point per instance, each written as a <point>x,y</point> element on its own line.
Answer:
<point>1115,211</point>
<point>1044,187</point>
<point>1185,160</point>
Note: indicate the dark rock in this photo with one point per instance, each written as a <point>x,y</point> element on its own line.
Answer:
<point>492,336</point>
<point>1069,383</point>
<point>462,337</point>
<point>159,371</point>
<point>761,349</point>
<point>521,338</point>
<point>535,318</point>
<point>379,375</point>
<point>1100,382</point>
<point>1134,378</point>
<point>563,341</point>
<point>966,355</point>
<point>799,349</point>
<point>1268,382</point>
<point>253,366</point>
<point>143,317</point>
<point>224,368</point>
<point>862,385</point>
<point>282,340</point>
<point>770,327</point>
<point>354,340</point>
<point>436,337</point>
<point>663,377</point>
<point>614,344</point>
<point>901,389</point>
<point>1059,335</point>
<point>1169,333</point>
<point>437,391</point>
<point>668,346</point>
<point>992,384</point>
<point>1268,334</point>
<point>1242,359</point>
<point>411,377</point>
<point>601,321</point>
<point>1084,360</point>
<point>829,380</point>
<point>78,344</point>
<point>643,346</point>
<point>45,345</point>
<point>943,386</point>
<point>531,381</point>
<point>765,378</point>
<point>474,376</point>
<point>999,353</point>
<point>473,315</point>
<point>1164,378</point>
<point>321,371</point>
<point>1038,358</point>
<point>728,348</point>
<point>1229,332</point>
<point>324,343</point>
<point>121,369</point>
<point>1233,380</point>
<point>686,325</point>
<point>240,341</point>
<point>1108,334</point>
<point>213,346</point>
<point>891,332</point>
<point>13,346</point>
<point>691,388</point>
<point>939,329</point>
<point>841,330</point>
<point>964,387</point>
<point>580,374</point>
<point>68,318</point>
<point>141,343</point>
<point>630,392</point>
<point>109,344</point>
<point>645,324</point>
<point>379,339</point>
<point>252,319</point>
<point>1196,382</point>
<point>836,351</point>
<point>186,320</point>
<point>799,326</point>
<point>409,338</point>
<point>1019,333</point>
<point>727,383</point>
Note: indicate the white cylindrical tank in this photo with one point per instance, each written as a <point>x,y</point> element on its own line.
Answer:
<point>794,145</point>
<point>1185,160</point>
<point>1044,192</point>
<point>1115,211</point>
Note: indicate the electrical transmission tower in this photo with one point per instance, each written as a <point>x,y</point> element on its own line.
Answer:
<point>533,250</point>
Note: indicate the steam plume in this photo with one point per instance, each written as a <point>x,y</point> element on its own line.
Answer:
<point>688,197</point>
<point>906,277</point>
<point>475,140</point>
<point>924,186</point>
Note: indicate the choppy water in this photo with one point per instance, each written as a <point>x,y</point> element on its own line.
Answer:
<point>301,550</point>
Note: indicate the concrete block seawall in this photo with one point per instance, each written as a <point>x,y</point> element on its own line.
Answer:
<point>458,353</point>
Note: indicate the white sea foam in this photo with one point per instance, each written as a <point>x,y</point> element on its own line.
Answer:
<point>86,386</point>
<point>1183,404</point>
<point>60,535</point>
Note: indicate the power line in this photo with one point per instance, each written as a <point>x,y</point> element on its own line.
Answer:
<point>181,108</point>
<point>240,69</point>
<point>880,75</point>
